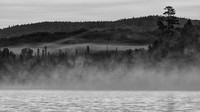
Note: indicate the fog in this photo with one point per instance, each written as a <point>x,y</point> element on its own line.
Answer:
<point>107,75</point>
<point>55,47</point>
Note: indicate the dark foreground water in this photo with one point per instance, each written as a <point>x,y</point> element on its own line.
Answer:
<point>98,101</point>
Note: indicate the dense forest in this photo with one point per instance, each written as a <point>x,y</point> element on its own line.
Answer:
<point>112,36</point>
<point>172,45</point>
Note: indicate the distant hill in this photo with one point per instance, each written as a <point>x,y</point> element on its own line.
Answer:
<point>142,24</point>
<point>110,36</point>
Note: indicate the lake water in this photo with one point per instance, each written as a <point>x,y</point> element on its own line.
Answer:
<point>98,101</point>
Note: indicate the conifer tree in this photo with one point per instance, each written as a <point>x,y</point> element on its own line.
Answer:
<point>167,23</point>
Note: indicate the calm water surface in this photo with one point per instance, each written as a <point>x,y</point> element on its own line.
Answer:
<point>98,101</point>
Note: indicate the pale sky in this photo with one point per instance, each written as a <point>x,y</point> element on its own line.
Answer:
<point>13,12</point>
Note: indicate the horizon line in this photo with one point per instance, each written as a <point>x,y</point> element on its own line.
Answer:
<point>46,21</point>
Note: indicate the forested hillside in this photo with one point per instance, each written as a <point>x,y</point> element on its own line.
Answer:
<point>136,24</point>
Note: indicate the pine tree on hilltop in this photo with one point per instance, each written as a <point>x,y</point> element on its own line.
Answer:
<point>169,38</point>
<point>167,23</point>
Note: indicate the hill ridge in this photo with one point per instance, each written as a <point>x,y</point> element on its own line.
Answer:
<point>141,24</point>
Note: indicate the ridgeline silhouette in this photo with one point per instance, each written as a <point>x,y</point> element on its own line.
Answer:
<point>141,24</point>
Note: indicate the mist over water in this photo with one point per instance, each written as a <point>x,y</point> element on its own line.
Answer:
<point>140,64</point>
<point>108,76</point>
<point>116,69</point>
